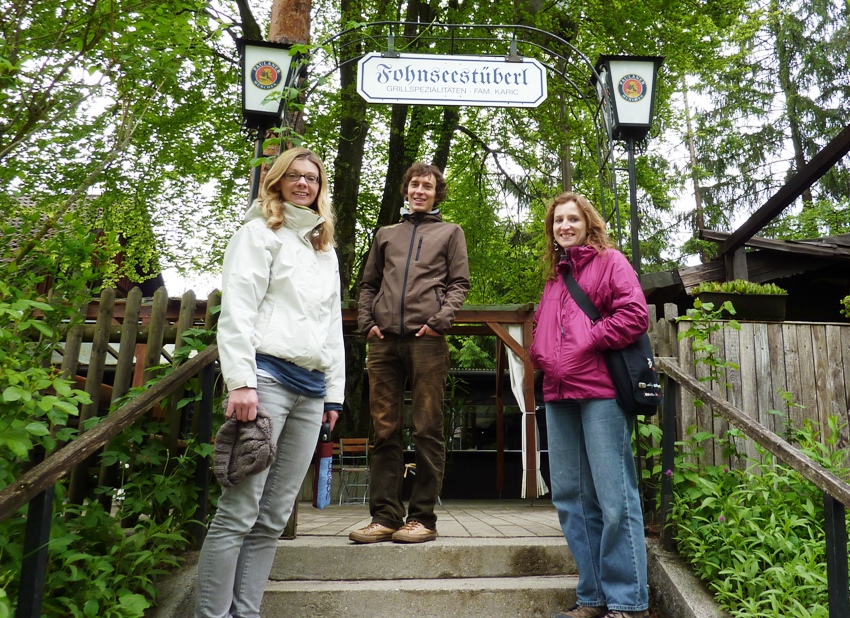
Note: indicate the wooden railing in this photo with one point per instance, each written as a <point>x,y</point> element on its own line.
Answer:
<point>142,328</point>
<point>836,492</point>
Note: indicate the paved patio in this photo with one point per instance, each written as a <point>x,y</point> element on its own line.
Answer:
<point>455,518</point>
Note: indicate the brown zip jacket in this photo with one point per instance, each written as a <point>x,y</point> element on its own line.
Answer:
<point>417,273</point>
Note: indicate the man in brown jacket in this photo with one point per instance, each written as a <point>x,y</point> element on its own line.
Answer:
<point>416,278</point>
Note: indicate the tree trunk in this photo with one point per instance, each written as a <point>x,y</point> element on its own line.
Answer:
<point>784,51</point>
<point>391,201</point>
<point>348,165</point>
<point>290,23</point>
<point>700,216</point>
<point>451,115</point>
<point>348,168</point>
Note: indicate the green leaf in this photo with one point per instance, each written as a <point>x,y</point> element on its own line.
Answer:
<point>42,327</point>
<point>20,447</point>
<point>38,429</point>
<point>14,393</point>
<point>134,602</point>
<point>91,608</point>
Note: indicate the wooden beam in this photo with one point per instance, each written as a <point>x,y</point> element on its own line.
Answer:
<point>796,247</point>
<point>810,173</point>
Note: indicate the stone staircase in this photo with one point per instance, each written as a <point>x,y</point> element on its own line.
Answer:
<point>500,559</point>
<point>328,576</point>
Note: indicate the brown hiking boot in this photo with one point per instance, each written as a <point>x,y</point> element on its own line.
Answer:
<point>373,533</point>
<point>581,611</point>
<point>618,613</point>
<point>414,532</point>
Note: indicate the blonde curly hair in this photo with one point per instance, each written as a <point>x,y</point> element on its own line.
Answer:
<point>271,199</point>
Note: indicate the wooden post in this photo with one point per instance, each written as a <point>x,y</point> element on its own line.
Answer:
<point>204,414</point>
<point>531,456</point>
<point>836,557</point>
<point>36,542</point>
<point>78,486</point>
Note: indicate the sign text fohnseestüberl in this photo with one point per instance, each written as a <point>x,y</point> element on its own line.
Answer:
<point>451,80</point>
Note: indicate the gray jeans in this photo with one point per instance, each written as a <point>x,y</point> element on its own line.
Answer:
<point>240,546</point>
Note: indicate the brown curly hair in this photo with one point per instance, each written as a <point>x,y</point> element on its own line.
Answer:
<point>597,236</point>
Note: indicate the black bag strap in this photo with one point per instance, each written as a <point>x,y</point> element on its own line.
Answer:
<point>581,297</point>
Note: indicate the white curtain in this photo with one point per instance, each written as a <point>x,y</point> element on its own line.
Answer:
<point>517,373</point>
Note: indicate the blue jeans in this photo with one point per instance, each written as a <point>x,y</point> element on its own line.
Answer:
<point>594,489</point>
<point>237,556</point>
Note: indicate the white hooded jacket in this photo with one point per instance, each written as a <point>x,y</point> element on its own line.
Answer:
<point>280,297</point>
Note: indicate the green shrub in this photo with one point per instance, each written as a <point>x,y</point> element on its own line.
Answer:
<point>756,536</point>
<point>738,286</point>
<point>98,564</point>
<point>845,303</point>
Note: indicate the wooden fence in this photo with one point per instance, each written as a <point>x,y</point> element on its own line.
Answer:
<point>809,360</point>
<point>128,338</point>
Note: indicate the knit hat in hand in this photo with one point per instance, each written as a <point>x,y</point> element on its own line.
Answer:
<point>243,448</point>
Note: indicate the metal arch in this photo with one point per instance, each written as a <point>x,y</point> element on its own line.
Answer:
<point>554,61</point>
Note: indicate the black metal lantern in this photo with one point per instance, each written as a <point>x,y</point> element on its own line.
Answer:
<point>630,83</point>
<point>626,89</point>
<point>265,71</point>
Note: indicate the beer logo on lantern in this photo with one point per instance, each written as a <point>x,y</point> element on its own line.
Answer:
<point>266,75</point>
<point>632,88</point>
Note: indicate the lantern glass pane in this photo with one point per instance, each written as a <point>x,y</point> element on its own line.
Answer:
<point>265,71</point>
<point>632,82</point>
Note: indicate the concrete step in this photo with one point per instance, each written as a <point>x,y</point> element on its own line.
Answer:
<point>499,597</point>
<point>338,559</point>
<point>463,577</point>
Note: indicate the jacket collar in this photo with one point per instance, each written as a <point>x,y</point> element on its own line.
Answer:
<point>575,258</point>
<point>301,220</point>
<point>433,215</point>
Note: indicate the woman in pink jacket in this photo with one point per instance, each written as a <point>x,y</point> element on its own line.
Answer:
<point>592,470</point>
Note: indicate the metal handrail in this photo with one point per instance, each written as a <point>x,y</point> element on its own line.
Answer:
<point>836,492</point>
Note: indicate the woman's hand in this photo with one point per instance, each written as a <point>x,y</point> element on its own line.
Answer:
<point>242,403</point>
<point>330,416</point>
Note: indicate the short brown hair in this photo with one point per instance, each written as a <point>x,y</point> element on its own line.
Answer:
<point>424,169</point>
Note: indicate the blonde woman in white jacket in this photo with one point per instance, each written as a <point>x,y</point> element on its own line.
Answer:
<point>280,343</point>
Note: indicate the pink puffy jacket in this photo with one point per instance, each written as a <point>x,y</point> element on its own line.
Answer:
<point>567,347</point>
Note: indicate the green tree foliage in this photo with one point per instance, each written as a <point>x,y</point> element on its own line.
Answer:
<point>129,102</point>
<point>775,96</point>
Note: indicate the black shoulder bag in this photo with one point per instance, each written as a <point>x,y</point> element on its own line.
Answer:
<point>632,369</point>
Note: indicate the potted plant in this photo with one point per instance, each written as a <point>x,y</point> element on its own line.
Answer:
<point>752,301</point>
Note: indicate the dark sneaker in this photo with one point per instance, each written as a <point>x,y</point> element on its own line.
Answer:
<point>414,532</point>
<point>618,613</point>
<point>373,533</point>
<point>581,611</point>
